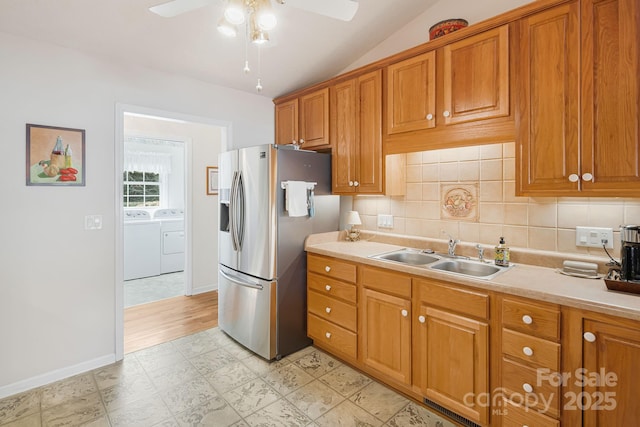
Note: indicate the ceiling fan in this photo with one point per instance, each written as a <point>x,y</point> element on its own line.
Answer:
<point>343,10</point>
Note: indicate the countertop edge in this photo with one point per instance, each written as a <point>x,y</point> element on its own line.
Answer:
<point>533,282</point>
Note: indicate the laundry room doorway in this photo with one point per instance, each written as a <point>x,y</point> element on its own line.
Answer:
<point>167,218</point>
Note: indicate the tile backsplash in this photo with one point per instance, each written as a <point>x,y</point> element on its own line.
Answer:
<point>543,223</point>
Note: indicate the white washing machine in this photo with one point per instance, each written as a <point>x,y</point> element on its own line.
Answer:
<point>142,245</point>
<point>172,239</point>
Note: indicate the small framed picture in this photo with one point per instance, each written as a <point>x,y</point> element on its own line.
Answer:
<point>212,180</point>
<point>55,156</point>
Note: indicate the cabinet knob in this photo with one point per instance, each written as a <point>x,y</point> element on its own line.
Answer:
<point>327,287</point>
<point>293,141</point>
<point>327,334</point>
<point>527,320</point>
<point>327,268</point>
<point>350,183</point>
<point>429,116</point>
<point>528,351</point>
<point>446,113</point>
<point>574,177</point>
<point>421,319</point>
<point>328,310</point>
<point>589,337</point>
<point>405,313</point>
<point>587,177</point>
<point>301,141</point>
<point>527,387</point>
<point>356,183</point>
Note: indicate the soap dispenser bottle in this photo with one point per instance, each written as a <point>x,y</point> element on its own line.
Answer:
<point>502,254</point>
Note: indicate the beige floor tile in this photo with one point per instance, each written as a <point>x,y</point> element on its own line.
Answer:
<point>117,372</point>
<point>144,412</point>
<point>188,395</point>
<point>211,361</point>
<point>68,389</point>
<point>287,379</point>
<point>379,400</point>
<point>169,376</point>
<point>214,412</point>
<point>124,393</point>
<point>317,363</point>
<point>347,414</point>
<point>230,376</point>
<point>251,396</point>
<point>345,380</point>
<point>279,414</point>
<point>74,412</point>
<point>19,406</point>
<point>415,415</point>
<point>32,420</point>
<point>315,399</point>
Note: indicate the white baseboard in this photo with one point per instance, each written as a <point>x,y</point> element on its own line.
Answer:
<point>203,289</point>
<point>53,376</point>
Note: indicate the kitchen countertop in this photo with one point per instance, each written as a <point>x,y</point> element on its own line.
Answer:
<point>538,282</point>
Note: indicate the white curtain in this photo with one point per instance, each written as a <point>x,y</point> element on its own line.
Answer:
<point>146,161</point>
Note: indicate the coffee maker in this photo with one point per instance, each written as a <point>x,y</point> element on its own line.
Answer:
<point>630,253</point>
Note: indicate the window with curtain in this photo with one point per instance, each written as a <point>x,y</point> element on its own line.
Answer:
<point>143,178</point>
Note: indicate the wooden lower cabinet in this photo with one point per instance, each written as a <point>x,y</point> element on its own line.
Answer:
<point>611,379</point>
<point>385,323</point>
<point>451,349</point>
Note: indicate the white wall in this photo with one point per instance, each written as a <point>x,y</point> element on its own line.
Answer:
<point>417,31</point>
<point>57,281</point>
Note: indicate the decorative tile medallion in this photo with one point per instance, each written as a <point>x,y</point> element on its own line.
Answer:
<point>459,202</point>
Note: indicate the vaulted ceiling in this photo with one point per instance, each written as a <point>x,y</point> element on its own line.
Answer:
<point>305,48</point>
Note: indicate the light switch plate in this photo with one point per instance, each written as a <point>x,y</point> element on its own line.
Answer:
<point>385,221</point>
<point>593,237</point>
<point>93,222</point>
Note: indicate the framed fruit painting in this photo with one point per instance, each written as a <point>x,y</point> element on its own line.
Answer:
<point>55,156</point>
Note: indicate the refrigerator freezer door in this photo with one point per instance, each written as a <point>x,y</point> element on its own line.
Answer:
<point>247,309</point>
<point>257,256</point>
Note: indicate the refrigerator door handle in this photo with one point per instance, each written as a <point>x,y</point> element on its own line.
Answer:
<point>241,211</point>
<point>240,282</point>
<point>232,210</point>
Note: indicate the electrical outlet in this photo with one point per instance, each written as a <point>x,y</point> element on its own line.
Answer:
<point>385,221</point>
<point>594,237</point>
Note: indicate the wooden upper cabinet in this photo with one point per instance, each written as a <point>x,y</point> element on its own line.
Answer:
<point>610,98</point>
<point>287,122</point>
<point>548,67</point>
<point>579,86</point>
<point>314,118</point>
<point>411,94</point>
<point>455,95</point>
<point>304,120</point>
<point>476,77</point>
<point>356,135</point>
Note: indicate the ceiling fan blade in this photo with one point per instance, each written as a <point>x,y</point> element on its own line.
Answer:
<point>177,7</point>
<point>344,10</point>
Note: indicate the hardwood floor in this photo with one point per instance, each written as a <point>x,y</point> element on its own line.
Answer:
<point>150,324</point>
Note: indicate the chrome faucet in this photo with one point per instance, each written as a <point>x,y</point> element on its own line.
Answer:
<point>452,244</point>
<point>480,252</point>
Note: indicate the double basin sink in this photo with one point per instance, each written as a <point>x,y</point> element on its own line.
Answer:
<point>444,263</point>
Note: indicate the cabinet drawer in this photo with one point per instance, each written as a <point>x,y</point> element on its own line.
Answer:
<point>516,378</point>
<point>386,281</point>
<point>535,319</point>
<point>531,349</point>
<point>331,309</point>
<point>332,267</point>
<point>335,288</point>
<point>453,298</point>
<point>330,335</point>
<point>519,416</point>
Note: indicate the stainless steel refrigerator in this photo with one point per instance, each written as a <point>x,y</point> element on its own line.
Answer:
<point>262,263</point>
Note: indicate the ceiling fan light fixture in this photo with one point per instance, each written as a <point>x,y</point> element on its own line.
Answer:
<point>226,28</point>
<point>265,17</point>
<point>234,12</point>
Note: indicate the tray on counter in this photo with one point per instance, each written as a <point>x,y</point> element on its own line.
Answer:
<point>623,286</point>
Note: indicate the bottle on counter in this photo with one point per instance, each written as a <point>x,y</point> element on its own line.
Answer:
<point>502,254</point>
